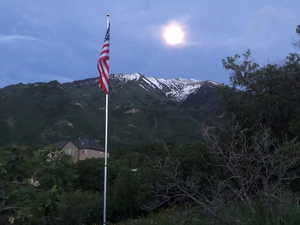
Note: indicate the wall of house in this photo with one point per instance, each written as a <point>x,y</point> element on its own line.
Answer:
<point>71,150</point>
<point>90,153</point>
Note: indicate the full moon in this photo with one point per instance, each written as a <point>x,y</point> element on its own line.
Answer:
<point>173,34</point>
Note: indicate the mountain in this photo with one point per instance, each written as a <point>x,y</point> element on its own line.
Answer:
<point>176,89</point>
<point>142,110</point>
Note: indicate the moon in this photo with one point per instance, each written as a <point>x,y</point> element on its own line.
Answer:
<point>174,34</point>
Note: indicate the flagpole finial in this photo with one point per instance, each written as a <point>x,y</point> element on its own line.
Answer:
<point>107,20</point>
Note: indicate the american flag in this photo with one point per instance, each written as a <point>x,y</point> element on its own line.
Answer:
<point>103,63</point>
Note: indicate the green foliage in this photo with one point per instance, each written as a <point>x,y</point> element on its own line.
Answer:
<point>32,182</point>
<point>265,96</point>
<point>297,43</point>
<point>243,70</point>
<point>289,215</point>
<point>126,195</point>
<point>129,186</point>
<point>89,175</point>
<point>180,216</point>
<point>139,183</point>
<point>79,208</point>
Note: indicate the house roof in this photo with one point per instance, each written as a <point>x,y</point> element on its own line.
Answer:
<point>81,144</point>
<point>88,144</point>
<point>60,144</point>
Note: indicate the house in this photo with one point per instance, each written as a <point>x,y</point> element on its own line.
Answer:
<point>82,149</point>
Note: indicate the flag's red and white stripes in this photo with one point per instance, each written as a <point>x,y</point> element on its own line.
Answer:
<point>103,64</point>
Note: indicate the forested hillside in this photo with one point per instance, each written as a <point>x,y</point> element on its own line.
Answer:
<point>141,110</point>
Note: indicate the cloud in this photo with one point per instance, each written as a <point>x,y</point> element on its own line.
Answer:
<point>6,39</point>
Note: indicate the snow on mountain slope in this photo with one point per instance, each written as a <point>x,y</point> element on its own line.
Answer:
<point>178,88</point>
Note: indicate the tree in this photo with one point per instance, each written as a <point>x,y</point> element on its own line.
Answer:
<point>298,32</point>
<point>250,173</point>
<point>31,184</point>
<point>89,175</point>
<point>129,183</point>
<point>264,96</point>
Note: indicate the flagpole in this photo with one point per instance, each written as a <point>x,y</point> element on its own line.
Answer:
<point>105,163</point>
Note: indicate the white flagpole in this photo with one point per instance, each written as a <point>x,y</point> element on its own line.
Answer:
<point>105,163</point>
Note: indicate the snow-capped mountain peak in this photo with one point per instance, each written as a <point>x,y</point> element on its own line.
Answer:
<point>178,88</point>
<point>127,77</point>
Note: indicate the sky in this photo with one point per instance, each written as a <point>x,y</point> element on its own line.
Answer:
<point>42,40</point>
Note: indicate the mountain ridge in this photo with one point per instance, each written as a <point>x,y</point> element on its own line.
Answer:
<point>178,88</point>
<point>142,110</point>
